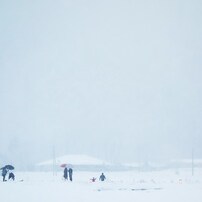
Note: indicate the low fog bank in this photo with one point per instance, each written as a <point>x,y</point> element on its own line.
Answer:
<point>118,80</point>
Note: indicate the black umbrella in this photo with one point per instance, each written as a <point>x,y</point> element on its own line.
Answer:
<point>9,167</point>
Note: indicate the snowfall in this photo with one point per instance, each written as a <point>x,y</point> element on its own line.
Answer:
<point>128,186</point>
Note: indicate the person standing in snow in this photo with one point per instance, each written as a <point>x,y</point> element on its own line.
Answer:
<point>66,173</point>
<point>102,177</point>
<point>70,173</point>
<point>4,173</point>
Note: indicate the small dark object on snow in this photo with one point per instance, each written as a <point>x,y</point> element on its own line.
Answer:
<point>93,179</point>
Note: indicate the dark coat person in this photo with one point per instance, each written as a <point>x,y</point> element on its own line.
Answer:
<point>70,174</point>
<point>102,177</point>
<point>4,173</point>
<point>66,174</point>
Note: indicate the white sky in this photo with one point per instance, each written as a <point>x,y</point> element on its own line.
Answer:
<point>116,79</point>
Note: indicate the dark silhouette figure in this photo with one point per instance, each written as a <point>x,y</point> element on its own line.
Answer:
<point>66,174</point>
<point>70,174</point>
<point>102,177</point>
<point>11,176</point>
<point>93,179</point>
<point>4,173</point>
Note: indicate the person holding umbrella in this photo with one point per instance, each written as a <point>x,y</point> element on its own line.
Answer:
<point>5,170</point>
<point>67,170</point>
<point>66,173</point>
<point>4,173</point>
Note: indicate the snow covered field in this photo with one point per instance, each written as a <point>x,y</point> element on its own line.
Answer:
<point>165,186</point>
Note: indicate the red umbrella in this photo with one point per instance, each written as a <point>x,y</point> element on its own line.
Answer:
<point>66,165</point>
<point>63,165</point>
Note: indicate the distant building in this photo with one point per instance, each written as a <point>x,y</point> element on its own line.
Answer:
<point>172,164</point>
<point>186,163</point>
<point>78,162</point>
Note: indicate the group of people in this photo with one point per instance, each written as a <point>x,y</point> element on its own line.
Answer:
<point>102,178</point>
<point>4,173</point>
<point>68,172</point>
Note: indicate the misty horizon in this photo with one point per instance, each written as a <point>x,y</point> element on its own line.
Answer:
<point>117,80</point>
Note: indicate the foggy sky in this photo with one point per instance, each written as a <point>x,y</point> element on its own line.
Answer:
<point>116,79</point>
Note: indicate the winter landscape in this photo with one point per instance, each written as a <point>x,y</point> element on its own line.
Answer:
<point>120,186</point>
<point>101,86</point>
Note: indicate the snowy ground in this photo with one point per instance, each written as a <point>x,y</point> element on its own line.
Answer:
<point>166,186</point>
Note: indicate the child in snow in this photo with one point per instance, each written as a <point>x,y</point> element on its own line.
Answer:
<point>11,176</point>
<point>93,179</point>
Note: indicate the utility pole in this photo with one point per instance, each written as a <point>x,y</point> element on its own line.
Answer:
<point>54,161</point>
<point>192,162</point>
